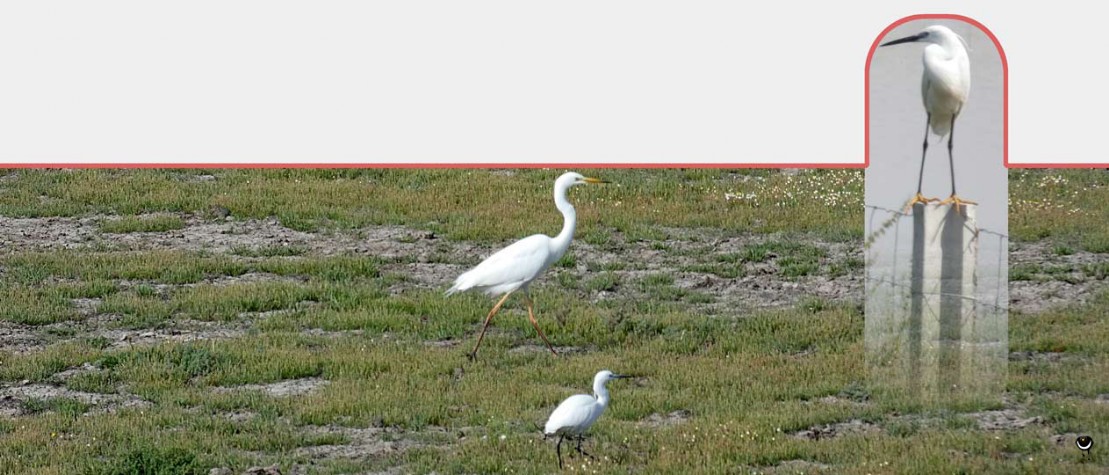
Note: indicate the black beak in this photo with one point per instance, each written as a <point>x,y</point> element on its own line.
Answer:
<point>622,376</point>
<point>907,39</point>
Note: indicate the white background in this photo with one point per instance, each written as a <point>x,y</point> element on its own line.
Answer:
<point>500,81</point>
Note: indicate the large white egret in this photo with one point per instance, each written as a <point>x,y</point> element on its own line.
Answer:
<point>944,88</point>
<point>516,266</point>
<point>577,413</point>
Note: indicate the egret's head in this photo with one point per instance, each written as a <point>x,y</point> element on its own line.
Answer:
<point>606,376</point>
<point>935,34</point>
<point>569,179</point>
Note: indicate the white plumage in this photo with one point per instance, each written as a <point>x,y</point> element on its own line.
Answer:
<point>575,415</point>
<point>516,266</point>
<point>945,85</point>
<point>511,268</point>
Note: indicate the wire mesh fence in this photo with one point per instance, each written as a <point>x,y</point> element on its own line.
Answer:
<point>936,302</point>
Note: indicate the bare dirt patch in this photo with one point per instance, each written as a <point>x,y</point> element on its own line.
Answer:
<point>182,331</point>
<point>319,332</point>
<point>837,400</point>
<point>1005,419</point>
<point>794,467</point>
<point>424,261</point>
<point>534,348</point>
<point>19,339</point>
<point>1058,289</point>
<point>85,306</point>
<point>828,431</point>
<point>1064,440</point>
<point>1043,356</point>
<point>199,234</point>
<point>690,256</point>
<point>442,343</point>
<point>290,387</point>
<point>15,398</point>
<point>428,262</point>
<point>662,420</point>
<point>68,374</point>
<point>431,262</point>
<point>240,416</point>
<point>361,442</point>
<point>274,469</point>
<point>998,420</point>
<point>27,234</point>
<point>1012,417</point>
<point>247,278</point>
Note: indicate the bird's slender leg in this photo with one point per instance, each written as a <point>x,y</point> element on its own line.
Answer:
<point>581,438</point>
<point>919,197</point>
<point>534,323</point>
<point>473,354</point>
<point>923,155</point>
<point>558,450</point>
<point>954,199</point>
<point>950,155</point>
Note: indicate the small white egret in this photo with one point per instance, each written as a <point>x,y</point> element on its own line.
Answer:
<point>944,88</point>
<point>516,266</point>
<point>577,413</point>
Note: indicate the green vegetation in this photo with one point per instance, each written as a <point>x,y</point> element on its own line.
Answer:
<point>145,224</point>
<point>1069,206</point>
<point>826,202</point>
<point>171,337</point>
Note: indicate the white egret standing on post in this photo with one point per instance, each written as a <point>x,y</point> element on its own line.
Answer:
<point>516,266</point>
<point>944,88</point>
<point>577,413</point>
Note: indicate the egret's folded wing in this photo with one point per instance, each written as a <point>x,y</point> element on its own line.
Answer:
<point>573,412</point>
<point>521,261</point>
<point>945,84</point>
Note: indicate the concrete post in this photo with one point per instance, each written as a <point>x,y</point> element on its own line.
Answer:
<point>942,308</point>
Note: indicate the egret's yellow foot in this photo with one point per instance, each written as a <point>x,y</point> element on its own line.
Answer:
<point>959,203</point>
<point>919,198</point>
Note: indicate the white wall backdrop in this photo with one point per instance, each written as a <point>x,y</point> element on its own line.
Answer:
<point>499,81</point>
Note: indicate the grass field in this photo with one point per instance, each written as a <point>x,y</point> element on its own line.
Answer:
<point>177,321</point>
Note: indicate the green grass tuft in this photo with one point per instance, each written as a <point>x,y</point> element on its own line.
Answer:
<point>146,224</point>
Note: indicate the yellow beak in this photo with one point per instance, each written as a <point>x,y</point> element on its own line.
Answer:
<point>595,180</point>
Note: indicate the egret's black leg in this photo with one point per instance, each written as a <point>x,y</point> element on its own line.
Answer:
<point>581,438</point>
<point>558,450</point>
<point>919,197</point>
<point>950,156</point>
<point>953,200</point>
<point>923,154</point>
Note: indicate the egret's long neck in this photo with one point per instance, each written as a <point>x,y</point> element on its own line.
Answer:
<point>600,392</point>
<point>570,219</point>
